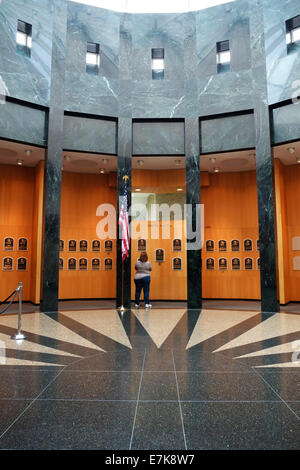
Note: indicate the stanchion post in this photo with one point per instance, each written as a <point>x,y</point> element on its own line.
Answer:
<point>19,335</point>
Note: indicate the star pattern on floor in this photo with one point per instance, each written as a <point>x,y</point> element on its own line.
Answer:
<point>243,339</point>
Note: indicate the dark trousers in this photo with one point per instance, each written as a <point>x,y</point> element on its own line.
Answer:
<point>140,284</point>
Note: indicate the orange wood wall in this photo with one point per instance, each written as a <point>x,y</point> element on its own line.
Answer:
<point>292,203</point>
<point>17,189</point>
<point>230,212</point>
<point>81,195</point>
<point>166,284</point>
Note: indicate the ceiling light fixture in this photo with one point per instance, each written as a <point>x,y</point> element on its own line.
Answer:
<point>216,169</point>
<point>212,160</point>
<point>67,157</point>
<point>20,162</point>
<point>179,189</point>
<point>105,160</point>
<point>28,152</point>
<point>140,162</point>
<point>102,170</point>
<point>291,149</point>
<point>137,189</point>
<point>298,159</point>
<point>177,162</point>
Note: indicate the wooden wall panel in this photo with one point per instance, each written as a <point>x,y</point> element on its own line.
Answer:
<point>230,212</point>
<point>292,193</point>
<point>81,195</point>
<point>17,185</point>
<point>166,284</point>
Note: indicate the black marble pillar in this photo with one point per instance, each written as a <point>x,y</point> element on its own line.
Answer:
<point>124,169</point>
<point>194,267</point>
<point>264,163</point>
<point>192,163</point>
<point>53,164</point>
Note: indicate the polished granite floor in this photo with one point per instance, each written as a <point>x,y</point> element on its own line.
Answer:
<point>160,380</point>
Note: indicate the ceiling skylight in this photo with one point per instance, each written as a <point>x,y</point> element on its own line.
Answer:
<point>153,6</point>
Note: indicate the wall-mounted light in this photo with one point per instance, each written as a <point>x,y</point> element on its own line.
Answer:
<point>137,189</point>
<point>291,149</point>
<point>28,153</point>
<point>105,160</point>
<point>212,160</point>
<point>102,170</point>
<point>179,189</point>
<point>298,159</point>
<point>67,157</point>
<point>177,162</point>
<point>252,155</point>
<point>216,169</point>
<point>140,162</point>
<point>20,162</point>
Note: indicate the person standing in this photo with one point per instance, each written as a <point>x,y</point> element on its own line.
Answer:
<point>142,279</point>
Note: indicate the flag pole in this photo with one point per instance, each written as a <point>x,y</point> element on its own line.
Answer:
<point>122,309</point>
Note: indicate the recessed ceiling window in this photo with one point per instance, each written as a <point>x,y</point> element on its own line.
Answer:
<point>24,38</point>
<point>93,58</point>
<point>293,33</point>
<point>223,56</point>
<point>158,63</point>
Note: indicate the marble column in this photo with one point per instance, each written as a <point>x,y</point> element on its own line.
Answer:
<point>124,149</point>
<point>192,162</point>
<point>264,162</point>
<point>192,169</point>
<point>124,169</point>
<point>53,164</point>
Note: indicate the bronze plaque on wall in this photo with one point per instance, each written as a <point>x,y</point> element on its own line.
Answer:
<point>95,264</point>
<point>72,264</point>
<point>142,245</point>
<point>248,245</point>
<point>236,263</point>
<point>108,264</point>
<point>22,264</point>
<point>210,263</point>
<point>176,244</point>
<point>235,245</point>
<point>108,245</point>
<point>257,245</point>
<point>8,244</point>
<point>177,264</point>
<point>83,264</point>
<point>222,245</point>
<point>61,245</point>
<point>210,245</point>
<point>72,245</point>
<point>258,263</point>
<point>248,263</point>
<point>96,245</point>
<point>159,255</point>
<point>61,263</point>
<point>222,263</point>
<point>7,264</point>
<point>83,245</point>
<point>23,244</point>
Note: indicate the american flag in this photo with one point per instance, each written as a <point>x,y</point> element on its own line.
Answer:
<point>123,221</point>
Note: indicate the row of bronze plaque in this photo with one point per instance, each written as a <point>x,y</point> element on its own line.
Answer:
<point>8,264</point>
<point>235,263</point>
<point>234,245</point>
<point>83,245</point>
<point>82,264</point>
<point>9,243</point>
<point>142,244</point>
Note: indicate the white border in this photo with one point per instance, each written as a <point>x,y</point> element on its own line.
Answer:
<point>25,238</point>
<point>12,264</point>
<point>105,269</point>
<point>70,251</point>
<point>13,249</point>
